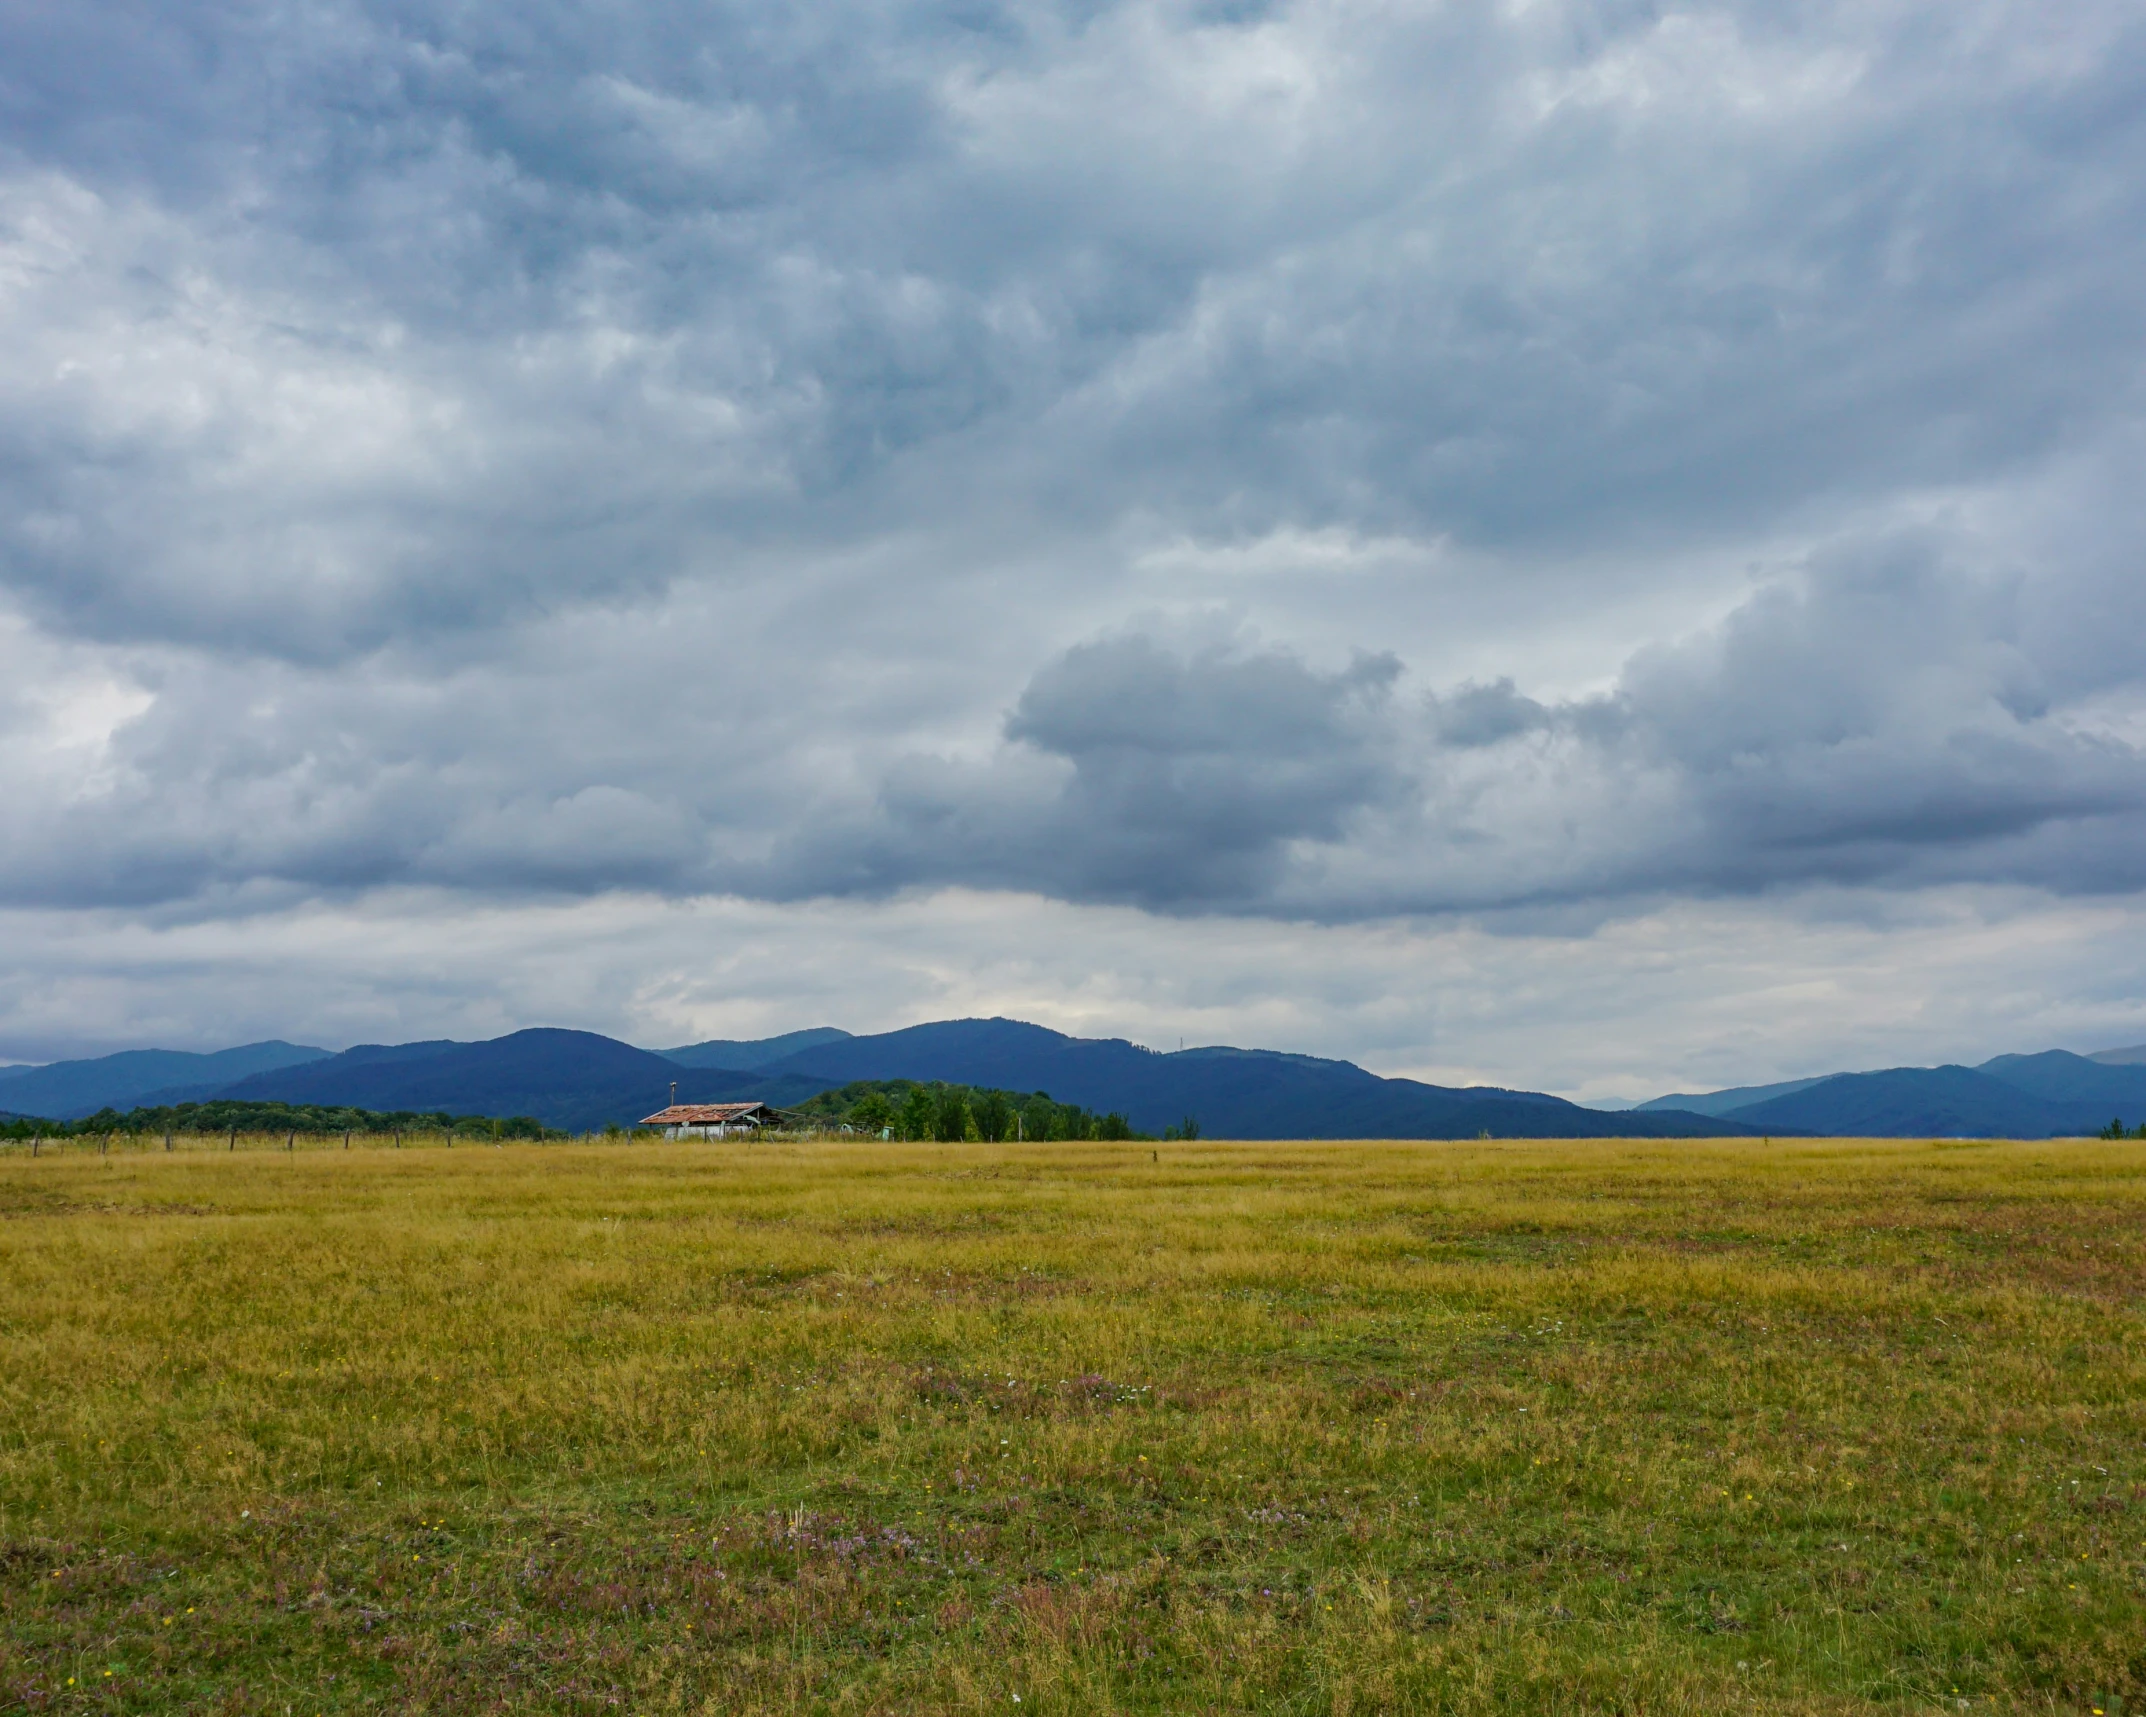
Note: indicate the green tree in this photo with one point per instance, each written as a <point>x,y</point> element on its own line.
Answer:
<point>917,1114</point>
<point>950,1123</point>
<point>994,1116</point>
<point>871,1113</point>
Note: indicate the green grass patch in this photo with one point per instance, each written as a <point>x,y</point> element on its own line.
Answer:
<point>1082,1427</point>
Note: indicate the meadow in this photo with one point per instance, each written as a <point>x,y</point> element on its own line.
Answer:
<point>841,1426</point>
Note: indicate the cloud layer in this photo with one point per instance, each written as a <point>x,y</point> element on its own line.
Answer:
<point>1318,462</point>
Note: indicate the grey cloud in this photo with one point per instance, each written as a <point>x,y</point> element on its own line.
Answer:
<point>1189,777</point>
<point>1483,715</point>
<point>1875,721</point>
<point>1883,721</point>
<point>1133,774</point>
<point>1126,700</point>
<point>569,450</point>
<point>1886,717</point>
<point>443,318</point>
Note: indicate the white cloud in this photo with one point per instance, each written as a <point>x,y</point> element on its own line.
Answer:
<point>590,453</point>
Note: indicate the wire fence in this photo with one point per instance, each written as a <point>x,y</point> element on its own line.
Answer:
<point>231,1141</point>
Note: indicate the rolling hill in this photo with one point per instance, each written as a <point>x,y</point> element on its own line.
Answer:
<point>572,1079</point>
<point>68,1090</point>
<point>579,1080</point>
<point>1729,1101</point>
<point>1901,1102</point>
<point>1235,1093</point>
<point>2054,1094</point>
<point>2058,1076</point>
<point>750,1052</point>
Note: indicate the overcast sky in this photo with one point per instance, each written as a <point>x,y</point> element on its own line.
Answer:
<point>1586,546</point>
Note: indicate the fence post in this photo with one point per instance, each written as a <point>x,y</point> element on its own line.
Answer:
<point>398,1138</point>
<point>167,1138</point>
<point>234,1138</point>
<point>36,1143</point>
<point>346,1138</point>
<point>291,1143</point>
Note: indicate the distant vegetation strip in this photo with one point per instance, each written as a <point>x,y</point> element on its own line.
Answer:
<point>903,1108</point>
<point>936,1110</point>
<point>309,1118</point>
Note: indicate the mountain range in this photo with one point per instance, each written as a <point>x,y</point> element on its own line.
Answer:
<point>2053,1094</point>
<point>1234,1093</point>
<point>65,1090</point>
<point>580,1080</point>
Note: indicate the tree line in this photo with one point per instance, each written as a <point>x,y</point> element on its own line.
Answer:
<point>223,1116</point>
<point>936,1110</point>
<point>901,1108</point>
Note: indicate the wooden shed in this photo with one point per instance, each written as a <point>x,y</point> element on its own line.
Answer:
<point>714,1120</point>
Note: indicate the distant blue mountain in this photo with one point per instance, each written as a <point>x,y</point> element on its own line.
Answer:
<point>1234,1093</point>
<point>2058,1076</point>
<point>750,1052</point>
<point>384,1052</point>
<point>2054,1094</point>
<point>572,1079</point>
<point>68,1090</point>
<point>1940,1102</point>
<point>579,1080</point>
<point>1729,1101</point>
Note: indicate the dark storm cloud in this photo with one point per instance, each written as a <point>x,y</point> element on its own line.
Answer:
<point>1482,715</point>
<point>1135,774</point>
<point>1886,720</point>
<point>1877,720</point>
<point>565,449</point>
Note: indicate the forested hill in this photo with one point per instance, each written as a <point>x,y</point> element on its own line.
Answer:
<point>73,1088</point>
<point>575,1080</point>
<point>308,1119</point>
<point>2054,1094</point>
<point>579,1080</point>
<point>1233,1093</point>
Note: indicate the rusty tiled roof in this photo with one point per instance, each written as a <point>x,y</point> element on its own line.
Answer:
<point>700,1114</point>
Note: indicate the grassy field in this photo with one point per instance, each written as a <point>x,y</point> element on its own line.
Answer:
<point>1812,1427</point>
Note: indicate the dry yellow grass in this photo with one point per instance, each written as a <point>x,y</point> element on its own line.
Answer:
<point>1598,1426</point>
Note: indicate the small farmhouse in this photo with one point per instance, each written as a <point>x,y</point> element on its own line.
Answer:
<point>714,1120</point>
